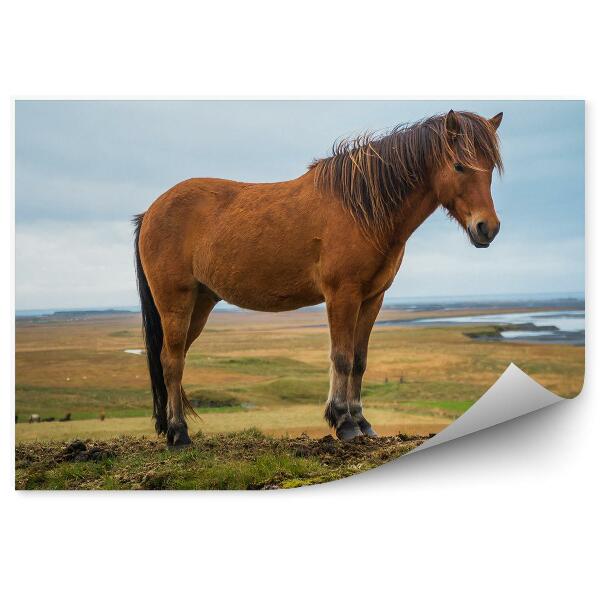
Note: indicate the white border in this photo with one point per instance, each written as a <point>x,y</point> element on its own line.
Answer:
<point>511,512</point>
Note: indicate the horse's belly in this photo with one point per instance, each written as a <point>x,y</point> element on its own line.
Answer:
<point>270,298</point>
<point>271,303</point>
<point>264,287</point>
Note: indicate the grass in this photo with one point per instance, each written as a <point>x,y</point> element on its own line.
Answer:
<point>185,471</point>
<point>123,333</point>
<point>279,421</point>
<point>255,365</point>
<point>238,461</point>
<point>81,402</point>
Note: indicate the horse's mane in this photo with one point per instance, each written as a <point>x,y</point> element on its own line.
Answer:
<point>373,174</point>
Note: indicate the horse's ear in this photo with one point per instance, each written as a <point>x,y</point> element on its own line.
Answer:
<point>452,124</point>
<point>495,121</point>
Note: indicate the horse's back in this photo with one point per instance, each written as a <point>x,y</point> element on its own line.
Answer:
<point>242,240</point>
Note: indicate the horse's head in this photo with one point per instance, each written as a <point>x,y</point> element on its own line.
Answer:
<point>463,182</point>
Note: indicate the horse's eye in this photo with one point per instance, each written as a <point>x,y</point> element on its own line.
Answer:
<point>458,167</point>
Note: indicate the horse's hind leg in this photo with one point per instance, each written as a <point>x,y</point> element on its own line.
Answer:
<point>175,313</point>
<point>342,312</point>
<point>205,302</point>
<point>366,318</point>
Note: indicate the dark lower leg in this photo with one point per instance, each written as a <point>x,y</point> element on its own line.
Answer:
<point>366,318</point>
<point>342,313</point>
<point>337,411</point>
<point>355,404</point>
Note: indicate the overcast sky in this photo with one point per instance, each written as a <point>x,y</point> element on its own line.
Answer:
<point>83,168</point>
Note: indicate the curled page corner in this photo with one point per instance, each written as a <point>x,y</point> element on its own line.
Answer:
<point>513,395</point>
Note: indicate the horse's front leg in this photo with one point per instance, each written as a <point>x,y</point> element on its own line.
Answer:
<point>342,312</point>
<point>366,318</point>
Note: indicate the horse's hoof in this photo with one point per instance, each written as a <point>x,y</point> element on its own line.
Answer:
<point>180,444</point>
<point>347,429</point>
<point>178,447</point>
<point>366,429</point>
<point>178,439</point>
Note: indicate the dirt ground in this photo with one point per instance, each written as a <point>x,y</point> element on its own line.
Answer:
<point>142,463</point>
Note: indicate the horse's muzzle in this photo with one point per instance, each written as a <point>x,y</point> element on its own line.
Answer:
<point>482,235</point>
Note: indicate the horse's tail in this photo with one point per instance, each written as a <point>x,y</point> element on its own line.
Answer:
<point>153,337</point>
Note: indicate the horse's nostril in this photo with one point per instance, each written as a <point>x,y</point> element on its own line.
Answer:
<point>482,229</point>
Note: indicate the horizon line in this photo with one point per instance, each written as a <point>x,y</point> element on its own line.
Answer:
<point>557,295</point>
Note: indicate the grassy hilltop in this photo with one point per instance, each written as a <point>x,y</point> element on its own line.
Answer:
<point>235,461</point>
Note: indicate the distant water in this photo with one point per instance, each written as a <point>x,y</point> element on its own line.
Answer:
<point>565,326</point>
<point>567,320</point>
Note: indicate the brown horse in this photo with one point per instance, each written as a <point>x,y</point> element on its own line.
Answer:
<point>336,234</point>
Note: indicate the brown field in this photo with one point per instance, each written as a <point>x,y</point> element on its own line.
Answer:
<point>266,371</point>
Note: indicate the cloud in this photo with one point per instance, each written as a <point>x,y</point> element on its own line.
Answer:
<point>61,197</point>
<point>450,265</point>
<point>74,265</point>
